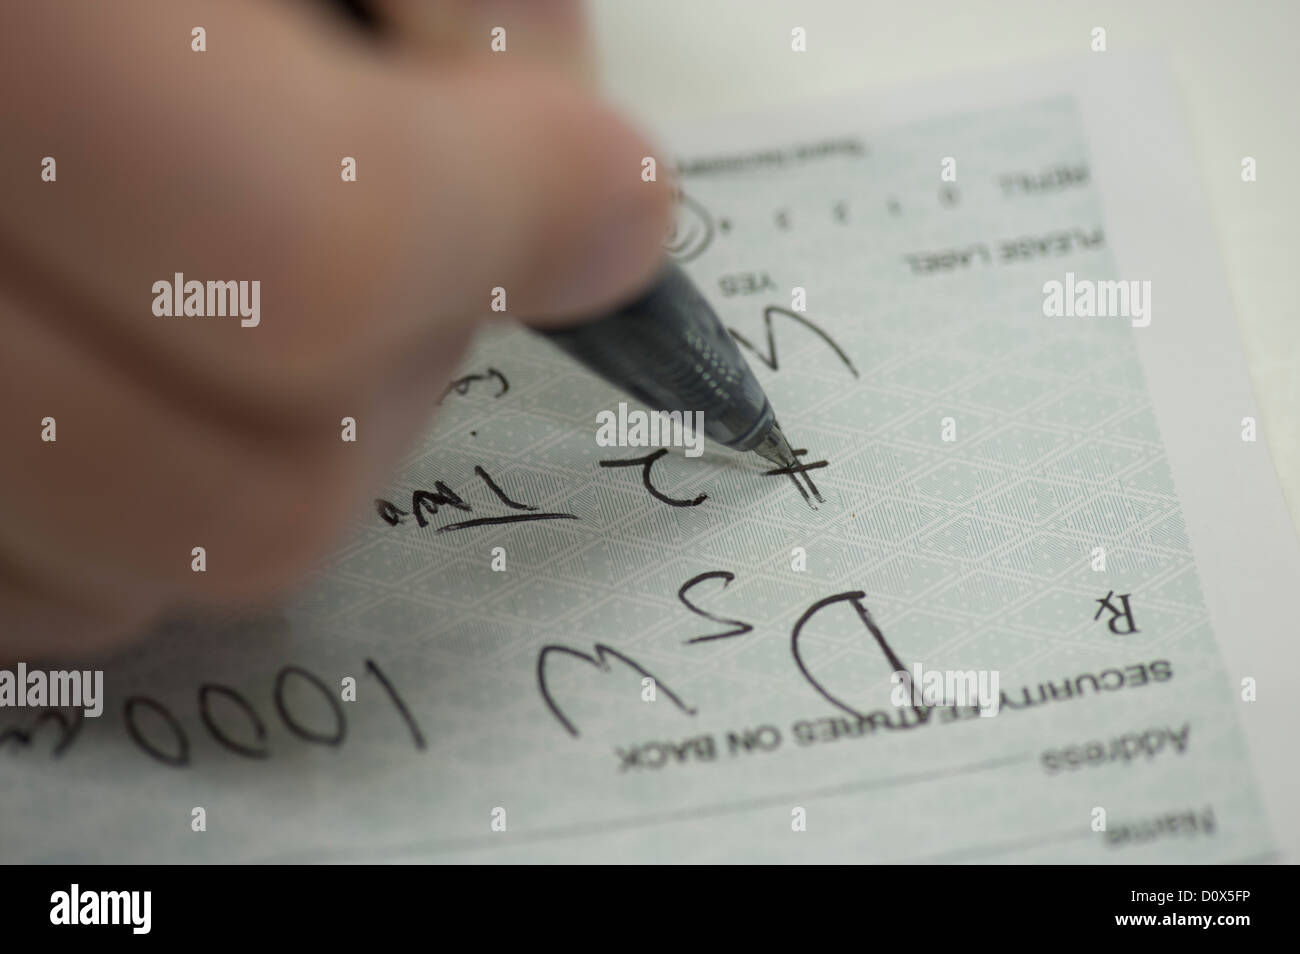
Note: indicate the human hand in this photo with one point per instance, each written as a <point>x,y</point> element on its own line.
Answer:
<point>473,171</point>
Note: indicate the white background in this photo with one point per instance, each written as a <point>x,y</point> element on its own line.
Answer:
<point>1234,64</point>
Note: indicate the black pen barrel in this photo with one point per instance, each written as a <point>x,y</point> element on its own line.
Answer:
<point>668,350</point>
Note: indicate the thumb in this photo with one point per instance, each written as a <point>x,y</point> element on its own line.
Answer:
<point>526,182</point>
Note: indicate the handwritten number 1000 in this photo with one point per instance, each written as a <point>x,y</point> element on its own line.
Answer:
<point>177,753</point>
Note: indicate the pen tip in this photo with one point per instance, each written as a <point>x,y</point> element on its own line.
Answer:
<point>775,447</point>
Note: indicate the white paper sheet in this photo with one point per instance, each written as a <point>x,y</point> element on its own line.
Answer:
<point>970,455</point>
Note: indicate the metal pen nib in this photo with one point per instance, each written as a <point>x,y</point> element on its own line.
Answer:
<point>775,447</point>
<point>668,349</point>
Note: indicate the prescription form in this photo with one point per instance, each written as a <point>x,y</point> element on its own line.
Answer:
<point>533,646</point>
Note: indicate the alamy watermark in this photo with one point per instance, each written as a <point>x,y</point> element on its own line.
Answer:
<point>946,687</point>
<point>636,428</point>
<point>1085,298</point>
<point>130,908</point>
<point>194,299</point>
<point>83,689</point>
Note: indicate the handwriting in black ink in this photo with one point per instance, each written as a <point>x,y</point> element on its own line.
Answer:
<point>797,469</point>
<point>740,628</point>
<point>855,598</point>
<point>600,661</point>
<point>646,463</point>
<point>416,735</point>
<point>426,503</point>
<point>69,726</point>
<point>259,727</point>
<point>461,385</point>
<point>770,359</point>
<point>296,727</point>
<point>176,753</point>
<point>178,759</point>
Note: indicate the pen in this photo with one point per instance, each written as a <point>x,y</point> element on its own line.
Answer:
<point>668,350</point>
